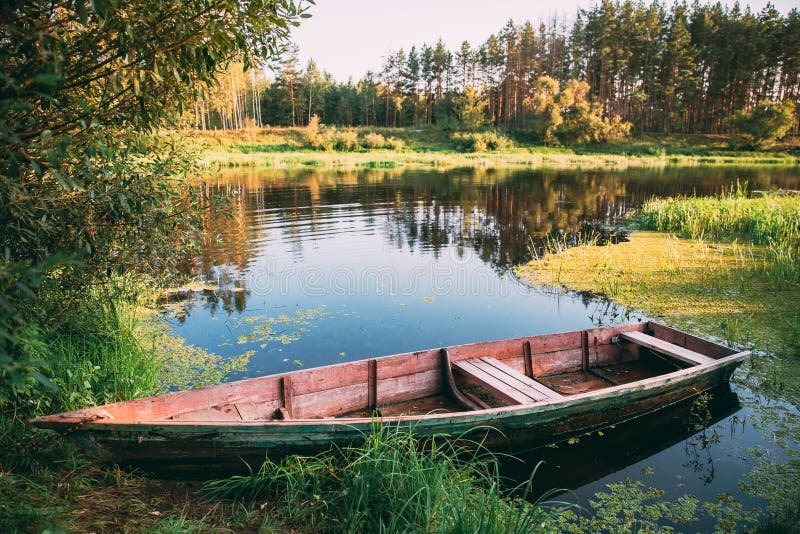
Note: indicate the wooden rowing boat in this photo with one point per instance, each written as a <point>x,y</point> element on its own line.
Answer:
<point>531,389</point>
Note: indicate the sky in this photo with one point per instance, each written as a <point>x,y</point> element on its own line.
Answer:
<point>349,37</point>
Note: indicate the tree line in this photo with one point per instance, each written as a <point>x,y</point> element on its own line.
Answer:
<point>683,68</point>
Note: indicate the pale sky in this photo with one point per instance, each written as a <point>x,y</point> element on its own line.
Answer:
<point>349,37</point>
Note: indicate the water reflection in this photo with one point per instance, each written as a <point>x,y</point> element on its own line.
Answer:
<point>572,464</point>
<point>492,212</point>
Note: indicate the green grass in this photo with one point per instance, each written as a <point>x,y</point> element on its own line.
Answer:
<point>390,483</point>
<point>770,220</point>
<point>104,349</point>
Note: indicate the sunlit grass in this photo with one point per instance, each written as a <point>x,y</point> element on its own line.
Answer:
<point>717,289</point>
<point>770,220</point>
<point>426,147</point>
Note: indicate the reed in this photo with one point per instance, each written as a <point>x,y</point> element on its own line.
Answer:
<point>770,220</point>
<point>389,483</point>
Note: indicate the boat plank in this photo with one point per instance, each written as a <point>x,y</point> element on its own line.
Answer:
<point>501,389</point>
<point>330,377</point>
<point>251,411</point>
<point>659,345</point>
<point>693,343</point>
<point>214,413</point>
<point>625,373</point>
<point>409,387</point>
<point>499,349</point>
<point>408,364</point>
<point>553,363</point>
<point>529,386</point>
<point>331,402</point>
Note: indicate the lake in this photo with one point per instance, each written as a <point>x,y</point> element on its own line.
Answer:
<point>315,267</point>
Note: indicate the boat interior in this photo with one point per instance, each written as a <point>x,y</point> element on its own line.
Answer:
<point>477,376</point>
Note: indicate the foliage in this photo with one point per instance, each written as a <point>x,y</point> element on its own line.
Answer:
<point>630,506</point>
<point>481,142</point>
<point>390,483</point>
<point>545,115</point>
<point>567,115</point>
<point>765,123</point>
<point>470,109</point>
<point>312,130</point>
<point>373,140</point>
<point>80,178</point>
<point>666,67</point>
<point>345,140</point>
<point>395,143</point>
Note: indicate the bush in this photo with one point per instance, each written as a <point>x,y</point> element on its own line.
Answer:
<point>764,124</point>
<point>373,140</point>
<point>312,131</point>
<point>395,144</point>
<point>345,141</point>
<point>481,142</point>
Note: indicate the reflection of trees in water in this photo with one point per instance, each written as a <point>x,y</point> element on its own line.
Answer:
<point>493,213</point>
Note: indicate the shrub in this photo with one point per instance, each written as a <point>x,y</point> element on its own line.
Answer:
<point>481,142</point>
<point>764,124</point>
<point>312,131</point>
<point>324,140</point>
<point>373,140</point>
<point>345,141</point>
<point>395,144</point>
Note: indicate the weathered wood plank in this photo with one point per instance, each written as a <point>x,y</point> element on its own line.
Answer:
<point>526,353</point>
<point>553,363</point>
<point>696,344</point>
<point>496,386</point>
<point>257,411</point>
<point>664,347</point>
<point>584,351</point>
<point>575,383</point>
<point>529,386</point>
<point>625,373</point>
<point>287,394</point>
<point>214,413</point>
<point>330,402</point>
<point>409,387</point>
<point>407,364</point>
<point>506,348</point>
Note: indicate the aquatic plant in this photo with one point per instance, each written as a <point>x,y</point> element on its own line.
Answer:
<point>771,220</point>
<point>391,483</point>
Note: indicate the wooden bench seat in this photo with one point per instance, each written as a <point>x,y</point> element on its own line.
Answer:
<point>668,349</point>
<point>504,382</point>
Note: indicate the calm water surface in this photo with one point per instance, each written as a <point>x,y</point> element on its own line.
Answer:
<point>318,267</point>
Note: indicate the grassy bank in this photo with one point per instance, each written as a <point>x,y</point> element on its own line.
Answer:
<point>432,148</point>
<point>733,276</point>
<point>105,348</point>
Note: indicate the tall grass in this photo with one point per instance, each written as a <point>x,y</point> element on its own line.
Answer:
<point>770,220</point>
<point>390,483</point>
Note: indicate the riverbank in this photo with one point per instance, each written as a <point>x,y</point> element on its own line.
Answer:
<point>288,148</point>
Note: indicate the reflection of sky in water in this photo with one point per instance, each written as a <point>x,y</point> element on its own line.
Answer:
<point>408,261</point>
